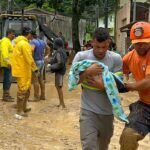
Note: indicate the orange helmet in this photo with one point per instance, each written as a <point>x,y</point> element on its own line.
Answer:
<point>140,32</point>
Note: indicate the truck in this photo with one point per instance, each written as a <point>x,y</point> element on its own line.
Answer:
<point>17,22</point>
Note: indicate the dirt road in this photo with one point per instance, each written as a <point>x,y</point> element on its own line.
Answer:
<point>50,128</point>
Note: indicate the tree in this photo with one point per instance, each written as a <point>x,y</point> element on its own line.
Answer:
<point>78,7</point>
<point>3,5</point>
<point>38,3</point>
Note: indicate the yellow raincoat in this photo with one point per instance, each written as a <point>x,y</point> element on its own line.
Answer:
<point>22,63</point>
<point>6,50</point>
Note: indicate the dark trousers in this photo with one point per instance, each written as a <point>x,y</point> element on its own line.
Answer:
<point>138,127</point>
<point>139,118</point>
<point>6,78</point>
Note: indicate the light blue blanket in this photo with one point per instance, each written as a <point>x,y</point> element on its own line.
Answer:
<point>109,84</point>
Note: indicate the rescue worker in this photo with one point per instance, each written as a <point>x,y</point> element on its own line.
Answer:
<point>137,62</point>
<point>22,67</point>
<point>6,48</point>
<point>39,48</point>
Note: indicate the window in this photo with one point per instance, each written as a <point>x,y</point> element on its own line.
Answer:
<point>16,25</point>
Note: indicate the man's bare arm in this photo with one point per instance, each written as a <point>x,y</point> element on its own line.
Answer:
<point>83,76</point>
<point>140,85</point>
<point>47,50</point>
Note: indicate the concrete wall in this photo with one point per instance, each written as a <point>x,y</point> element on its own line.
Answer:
<point>60,23</point>
<point>122,19</point>
<point>64,24</point>
<point>111,23</point>
<point>123,2</point>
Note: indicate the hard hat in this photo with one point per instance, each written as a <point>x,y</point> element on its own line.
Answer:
<point>140,32</point>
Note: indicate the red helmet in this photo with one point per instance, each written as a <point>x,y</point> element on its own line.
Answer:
<point>140,32</point>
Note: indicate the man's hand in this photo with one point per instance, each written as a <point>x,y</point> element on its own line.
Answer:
<point>94,70</point>
<point>96,82</point>
<point>36,73</point>
<point>127,77</point>
<point>130,86</point>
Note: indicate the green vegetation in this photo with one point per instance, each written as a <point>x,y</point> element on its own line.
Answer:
<point>77,9</point>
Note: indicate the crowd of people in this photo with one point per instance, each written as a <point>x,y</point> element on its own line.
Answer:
<point>25,60</point>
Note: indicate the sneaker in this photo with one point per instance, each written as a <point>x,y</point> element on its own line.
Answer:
<point>19,117</point>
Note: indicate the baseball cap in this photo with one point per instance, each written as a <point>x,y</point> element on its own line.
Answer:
<point>140,32</point>
<point>26,30</point>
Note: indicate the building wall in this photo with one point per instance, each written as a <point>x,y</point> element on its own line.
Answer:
<point>111,23</point>
<point>64,24</point>
<point>122,19</point>
<point>123,2</point>
<point>60,23</point>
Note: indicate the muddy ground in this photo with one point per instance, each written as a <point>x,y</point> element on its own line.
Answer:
<point>50,128</point>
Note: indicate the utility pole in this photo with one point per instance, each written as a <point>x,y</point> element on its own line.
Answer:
<point>97,15</point>
<point>22,18</point>
<point>106,13</point>
<point>134,10</point>
<point>10,6</point>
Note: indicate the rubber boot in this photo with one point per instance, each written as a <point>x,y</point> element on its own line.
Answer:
<point>36,92</point>
<point>25,109</point>
<point>129,139</point>
<point>10,97</point>
<point>6,97</point>
<point>20,103</point>
<point>42,86</point>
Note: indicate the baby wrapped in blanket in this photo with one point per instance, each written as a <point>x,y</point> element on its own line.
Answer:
<point>109,84</point>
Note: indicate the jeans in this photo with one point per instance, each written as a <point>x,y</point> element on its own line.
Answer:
<point>40,65</point>
<point>6,78</point>
<point>38,82</point>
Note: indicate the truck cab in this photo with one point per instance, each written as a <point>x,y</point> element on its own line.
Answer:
<point>16,22</point>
